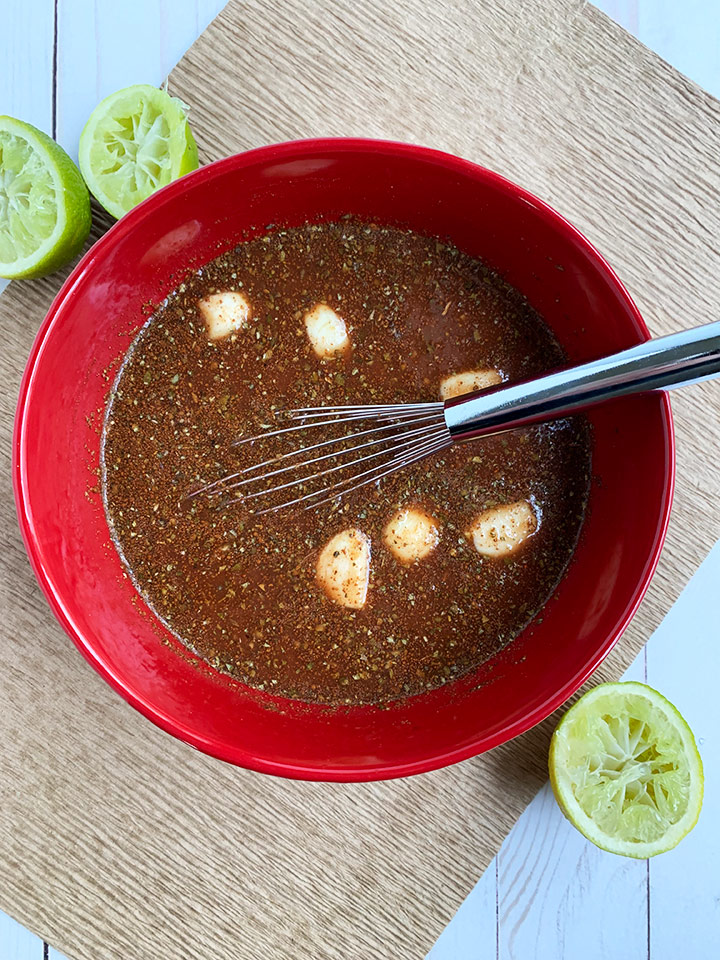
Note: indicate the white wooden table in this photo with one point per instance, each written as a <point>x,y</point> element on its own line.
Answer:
<point>548,894</point>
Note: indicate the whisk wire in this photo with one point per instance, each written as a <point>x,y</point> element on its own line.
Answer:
<point>394,410</point>
<point>222,485</point>
<point>393,467</point>
<point>334,454</point>
<point>340,466</point>
<point>398,435</point>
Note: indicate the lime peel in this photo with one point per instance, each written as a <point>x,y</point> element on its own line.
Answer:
<point>44,204</point>
<point>626,771</point>
<point>135,141</point>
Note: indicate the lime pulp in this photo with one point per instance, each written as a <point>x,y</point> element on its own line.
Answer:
<point>135,141</point>
<point>44,204</point>
<point>626,771</point>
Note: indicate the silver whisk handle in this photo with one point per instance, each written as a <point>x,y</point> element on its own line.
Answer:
<point>673,361</point>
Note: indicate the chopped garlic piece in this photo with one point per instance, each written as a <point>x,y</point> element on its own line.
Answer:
<point>224,313</point>
<point>500,530</point>
<point>343,568</point>
<point>411,534</point>
<point>469,381</point>
<point>326,330</point>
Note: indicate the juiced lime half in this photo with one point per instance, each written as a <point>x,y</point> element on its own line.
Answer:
<point>625,770</point>
<point>44,204</point>
<point>135,141</point>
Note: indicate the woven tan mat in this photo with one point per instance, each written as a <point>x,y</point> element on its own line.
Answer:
<point>118,842</point>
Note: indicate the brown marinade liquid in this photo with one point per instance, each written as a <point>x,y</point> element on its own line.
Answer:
<point>239,589</point>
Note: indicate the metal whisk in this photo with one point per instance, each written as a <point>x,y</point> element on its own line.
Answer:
<point>393,436</point>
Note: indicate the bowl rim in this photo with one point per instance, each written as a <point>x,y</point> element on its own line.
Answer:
<point>236,755</point>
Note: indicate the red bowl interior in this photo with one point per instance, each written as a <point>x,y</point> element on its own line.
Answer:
<point>141,260</point>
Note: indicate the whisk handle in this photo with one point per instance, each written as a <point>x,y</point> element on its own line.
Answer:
<point>661,364</point>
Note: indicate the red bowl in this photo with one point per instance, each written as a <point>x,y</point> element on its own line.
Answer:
<point>103,303</point>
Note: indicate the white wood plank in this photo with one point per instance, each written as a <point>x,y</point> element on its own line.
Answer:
<point>686,34</point>
<point>105,46</point>
<point>684,664</point>
<point>27,37</point>
<point>26,55</point>
<point>556,891</point>
<point>624,12</point>
<point>54,955</point>
<point>472,935</point>
<point>17,943</point>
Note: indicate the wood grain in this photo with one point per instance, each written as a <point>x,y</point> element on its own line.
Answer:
<point>147,849</point>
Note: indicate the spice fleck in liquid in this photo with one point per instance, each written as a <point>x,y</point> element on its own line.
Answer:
<point>242,590</point>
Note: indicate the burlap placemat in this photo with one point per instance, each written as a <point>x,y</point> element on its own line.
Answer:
<point>118,842</point>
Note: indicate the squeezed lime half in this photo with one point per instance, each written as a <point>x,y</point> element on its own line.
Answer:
<point>135,141</point>
<point>44,204</point>
<point>626,771</point>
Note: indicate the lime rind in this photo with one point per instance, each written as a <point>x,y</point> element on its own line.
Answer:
<point>135,141</point>
<point>44,204</point>
<point>626,771</point>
